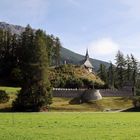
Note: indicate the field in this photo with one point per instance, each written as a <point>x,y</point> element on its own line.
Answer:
<point>70,126</point>
<point>69,121</point>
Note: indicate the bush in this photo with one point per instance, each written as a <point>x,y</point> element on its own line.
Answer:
<point>87,83</point>
<point>4,97</point>
<point>73,83</point>
<point>136,102</point>
<point>138,92</point>
<point>100,86</point>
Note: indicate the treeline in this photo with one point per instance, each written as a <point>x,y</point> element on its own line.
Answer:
<point>12,49</point>
<point>125,69</point>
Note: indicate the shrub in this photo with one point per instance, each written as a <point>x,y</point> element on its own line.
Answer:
<point>73,83</point>
<point>100,86</point>
<point>4,97</point>
<point>88,83</point>
<point>136,102</point>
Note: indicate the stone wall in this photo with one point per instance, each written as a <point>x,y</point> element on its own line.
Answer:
<point>91,94</point>
<point>77,93</point>
<point>116,93</point>
<point>67,93</point>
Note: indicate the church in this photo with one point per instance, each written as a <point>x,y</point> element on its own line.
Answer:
<point>86,63</point>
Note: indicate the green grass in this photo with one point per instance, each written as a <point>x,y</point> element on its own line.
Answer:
<point>10,89</point>
<point>107,103</point>
<point>70,126</point>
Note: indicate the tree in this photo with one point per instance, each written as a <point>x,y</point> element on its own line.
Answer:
<point>134,69</point>
<point>128,68</point>
<point>57,51</point>
<point>36,91</point>
<point>102,73</point>
<point>120,69</point>
<point>111,75</point>
<point>54,46</point>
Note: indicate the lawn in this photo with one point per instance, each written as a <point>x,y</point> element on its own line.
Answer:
<point>10,89</point>
<point>69,126</point>
<point>107,103</point>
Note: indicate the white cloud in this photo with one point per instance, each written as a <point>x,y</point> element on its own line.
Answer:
<point>104,49</point>
<point>104,46</point>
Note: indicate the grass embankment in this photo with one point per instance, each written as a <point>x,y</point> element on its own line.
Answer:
<point>70,126</point>
<point>106,104</point>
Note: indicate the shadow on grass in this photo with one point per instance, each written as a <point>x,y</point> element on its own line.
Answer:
<point>4,110</point>
<point>132,110</point>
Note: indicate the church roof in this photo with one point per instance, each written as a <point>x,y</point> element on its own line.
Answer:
<point>88,64</point>
<point>87,55</point>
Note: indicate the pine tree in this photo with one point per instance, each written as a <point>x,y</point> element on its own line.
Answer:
<point>35,93</point>
<point>57,51</point>
<point>134,69</point>
<point>111,75</point>
<point>102,73</point>
<point>128,68</point>
<point>120,69</point>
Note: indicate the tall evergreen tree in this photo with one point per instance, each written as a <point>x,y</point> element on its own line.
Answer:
<point>102,73</point>
<point>57,51</point>
<point>134,69</point>
<point>128,68</point>
<point>111,75</point>
<point>120,69</point>
<point>35,93</point>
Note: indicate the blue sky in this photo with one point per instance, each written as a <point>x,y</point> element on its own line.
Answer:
<point>102,26</point>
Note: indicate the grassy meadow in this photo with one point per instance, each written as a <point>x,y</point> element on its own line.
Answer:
<point>68,121</point>
<point>69,126</point>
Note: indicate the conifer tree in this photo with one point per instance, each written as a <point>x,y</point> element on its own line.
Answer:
<point>102,73</point>
<point>57,51</point>
<point>134,69</point>
<point>111,75</point>
<point>128,68</point>
<point>120,69</point>
<point>35,93</point>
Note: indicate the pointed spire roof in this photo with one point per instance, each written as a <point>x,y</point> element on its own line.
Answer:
<point>87,55</point>
<point>87,62</point>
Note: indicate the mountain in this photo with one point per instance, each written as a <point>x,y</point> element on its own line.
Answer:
<point>14,29</point>
<point>66,55</point>
<point>75,58</point>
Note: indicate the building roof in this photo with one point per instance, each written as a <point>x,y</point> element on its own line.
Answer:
<point>87,55</point>
<point>88,64</point>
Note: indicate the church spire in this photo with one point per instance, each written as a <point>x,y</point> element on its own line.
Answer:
<point>87,64</point>
<point>87,55</point>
